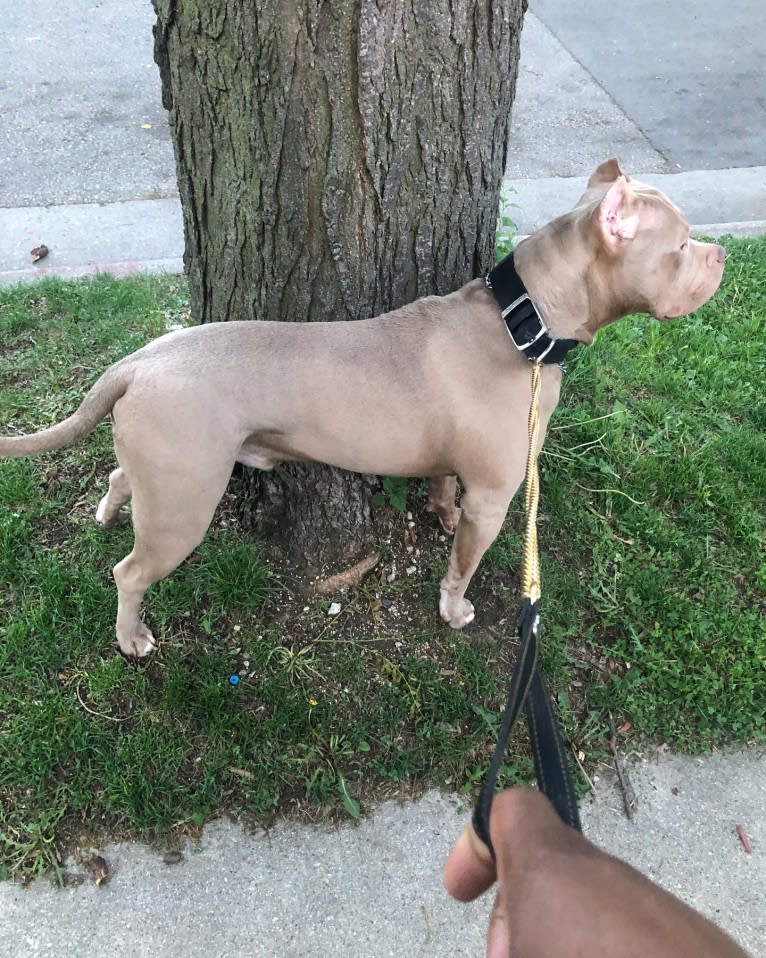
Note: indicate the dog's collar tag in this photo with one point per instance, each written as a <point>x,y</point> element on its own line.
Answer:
<point>525,325</point>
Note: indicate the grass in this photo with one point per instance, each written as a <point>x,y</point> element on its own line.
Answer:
<point>654,589</point>
<point>658,560</point>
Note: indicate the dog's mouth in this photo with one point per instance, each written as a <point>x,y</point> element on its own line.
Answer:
<point>677,315</point>
<point>676,310</point>
<point>664,315</point>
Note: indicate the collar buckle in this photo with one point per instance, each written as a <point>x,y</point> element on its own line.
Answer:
<point>524,323</point>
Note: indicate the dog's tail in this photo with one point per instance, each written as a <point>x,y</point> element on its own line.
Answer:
<point>96,405</point>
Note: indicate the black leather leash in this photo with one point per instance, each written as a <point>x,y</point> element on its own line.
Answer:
<point>527,687</point>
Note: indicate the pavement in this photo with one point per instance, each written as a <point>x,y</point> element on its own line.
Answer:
<point>676,91</point>
<point>86,167</point>
<point>374,890</point>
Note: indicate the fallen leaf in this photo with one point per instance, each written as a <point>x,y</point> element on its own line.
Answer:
<point>99,869</point>
<point>39,252</point>
<point>350,577</point>
<point>241,772</point>
<point>743,837</point>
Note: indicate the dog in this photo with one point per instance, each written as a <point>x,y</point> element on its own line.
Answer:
<point>437,389</point>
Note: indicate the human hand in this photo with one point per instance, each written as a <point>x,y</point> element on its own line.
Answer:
<point>559,896</point>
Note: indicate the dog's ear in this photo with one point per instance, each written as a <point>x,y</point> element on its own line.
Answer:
<point>606,173</point>
<point>616,215</point>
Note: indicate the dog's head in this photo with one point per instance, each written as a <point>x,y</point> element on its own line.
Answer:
<point>643,244</point>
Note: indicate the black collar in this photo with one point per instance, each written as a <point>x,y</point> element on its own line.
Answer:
<point>525,326</point>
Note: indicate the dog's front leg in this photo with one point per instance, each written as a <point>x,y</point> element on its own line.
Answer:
<point>483,512</point>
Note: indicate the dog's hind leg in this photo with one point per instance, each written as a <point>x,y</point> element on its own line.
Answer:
<point>119,493</point>
<point>172,509</point>
<point>481,520</point>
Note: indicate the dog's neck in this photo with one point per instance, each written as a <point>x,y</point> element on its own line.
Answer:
<point>558,265</point>
<point>525,325</point>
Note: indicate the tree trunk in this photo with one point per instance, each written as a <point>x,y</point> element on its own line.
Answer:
<point>335,159</point>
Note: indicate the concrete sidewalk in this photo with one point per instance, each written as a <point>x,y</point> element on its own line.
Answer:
<point>86,167</point>
<point>567,119</point>
<point>374,891</point>
<point>86,163</point>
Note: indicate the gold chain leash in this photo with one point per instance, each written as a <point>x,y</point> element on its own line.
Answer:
<point>530,578</point>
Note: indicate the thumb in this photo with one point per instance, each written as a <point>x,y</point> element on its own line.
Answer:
<point>469,870</point>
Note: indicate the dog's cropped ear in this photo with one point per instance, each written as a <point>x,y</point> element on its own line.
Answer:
<point>606,173</point>
<point>616,215</point>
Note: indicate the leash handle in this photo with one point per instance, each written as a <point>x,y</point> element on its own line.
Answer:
<point>549,753</point>
<point>526,688</point>
<point>521,678</point>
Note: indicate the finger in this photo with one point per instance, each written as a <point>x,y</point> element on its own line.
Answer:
<point>498,932</point>
<point>469,870</point>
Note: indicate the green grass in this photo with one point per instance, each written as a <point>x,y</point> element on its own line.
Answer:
<point>654,590</point>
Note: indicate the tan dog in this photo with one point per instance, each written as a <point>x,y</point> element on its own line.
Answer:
<point>434,389</point>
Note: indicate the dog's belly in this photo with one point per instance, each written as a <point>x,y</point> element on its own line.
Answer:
<point>385,453</point>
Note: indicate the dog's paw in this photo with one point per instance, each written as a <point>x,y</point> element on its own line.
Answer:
<point>101,513</point>
<point>456,612</point>
<point>107,518</point>
<point>448,518</point>
<point>449,521</point>
<point>140,644</point>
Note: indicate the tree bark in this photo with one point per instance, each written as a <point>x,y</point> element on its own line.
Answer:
<point>335,159</point>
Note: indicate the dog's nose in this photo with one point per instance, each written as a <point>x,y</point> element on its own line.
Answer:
<point>717,255</point>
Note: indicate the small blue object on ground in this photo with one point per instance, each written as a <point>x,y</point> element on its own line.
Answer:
<point>234,680</point>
